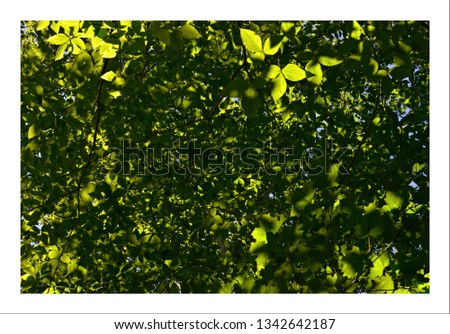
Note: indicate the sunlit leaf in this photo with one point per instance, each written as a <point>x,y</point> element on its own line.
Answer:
<point>279,87</point>
<point>315,73</point>
<point>58,39</point>
<point>251,40</point>
<point>189,32</point>
<point>272,45</point>
<point>109,76</point>
<point>330,61</point>
<point>273,72</point>
<point>61,50</point>
<point>293,73</point>
<point>42,25</point>
<point>393,201</point>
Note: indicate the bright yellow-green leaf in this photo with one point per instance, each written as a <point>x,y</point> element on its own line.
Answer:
<point>109,76</point>
<point>85,197</point>
<point>381,73</point>
<point>379,264</point>
<point>58,39</point>
<point>71,266</point>
<point>33,131</point>
<point>119,81</point>
<point>42,25</point>
<point>96,42</point>
<point>251,40</point>
<point>315,72</point>
<point>273,72</point>
<point>108,50</point>
<point>55,26</point>
<point>287,26</point>
<point>258,56</point>
<point>65,258</point>
<point>418,167</point>
<point>272,45</point>
<point>373,66</point>
<point>189,32</point>
<point>261,260</point>
<point>39,89</point>
<point>54,254</point>
<point>329,60</point>
<point>88,32</point>
<point>70,23</point>
<point>384,284</point>
<point>357,31</point>
<point>78,45</point>
<point>286,115</point>
<point>259,234</point>
<point>293,72</point>
<point>60,52</point>
<point>279,87</point>
<point>89,188</point>
<point>115,94</point>
<point>333,173</point>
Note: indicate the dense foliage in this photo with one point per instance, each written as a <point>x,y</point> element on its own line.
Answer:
<point>225,157</point>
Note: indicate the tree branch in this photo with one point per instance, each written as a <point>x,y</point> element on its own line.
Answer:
<point>98,108</point>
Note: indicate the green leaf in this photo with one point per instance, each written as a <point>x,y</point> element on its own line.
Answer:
<point>85,196</point>
<point>60,52</point>
<point>109,76</point>
<point>58,39</point>
<point>260,56</point>
<point>189,32</point>
<point>357,31</point>
<point>65,258</point>
<point>273,72</point>
<point>315,72</point>
<point>286,27</point>
<point>353,262</point>
<point>164,36</point>
<point>272,45</point>
<point>155,240</point>
<point>78,46</point>
<point>384,284</point>
<point>279,87</point>
<point>33,131</point>
<point>379,265</point>
<point>293,72</point>
<point>53,254</point>
<point>286,115</point>
<point>115,94</point>
<point>393,201</point>
<point>251,40</point>
<point>259,234</point>
<point>108,50</point>
<point>329,60</point>
<point>42,25</point>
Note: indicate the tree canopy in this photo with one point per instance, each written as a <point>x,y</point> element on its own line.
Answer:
<point>231,157</point>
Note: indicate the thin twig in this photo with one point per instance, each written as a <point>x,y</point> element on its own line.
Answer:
<point>98,107</point>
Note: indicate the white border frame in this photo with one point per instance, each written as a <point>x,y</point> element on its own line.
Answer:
<point>11,301</point>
